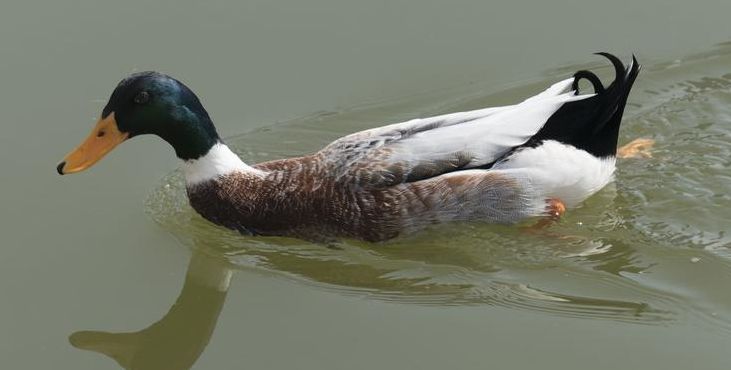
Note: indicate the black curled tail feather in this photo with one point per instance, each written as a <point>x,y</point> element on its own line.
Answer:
<point>596,83</point>
<point>592,124</point>
<point>617,93</point>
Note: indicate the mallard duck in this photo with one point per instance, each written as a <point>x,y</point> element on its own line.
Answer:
<point>497,165</point>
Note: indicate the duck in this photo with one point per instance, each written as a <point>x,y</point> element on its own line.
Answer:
<point>532,159</point>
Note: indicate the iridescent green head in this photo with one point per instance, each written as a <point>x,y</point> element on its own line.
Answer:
<point>147,103</point>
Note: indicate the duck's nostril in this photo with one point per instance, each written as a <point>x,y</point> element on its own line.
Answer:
<point>100,133</point>
<point>60,166</point>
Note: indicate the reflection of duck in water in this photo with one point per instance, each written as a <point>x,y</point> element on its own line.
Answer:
<point>179,338</point>
<point>501,164</point>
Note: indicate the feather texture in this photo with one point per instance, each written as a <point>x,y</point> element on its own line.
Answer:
<point>424,148</point>
<point>559,171</point>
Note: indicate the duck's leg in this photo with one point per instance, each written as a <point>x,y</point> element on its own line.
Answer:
<point>555,208</point>
<point>637,148</point>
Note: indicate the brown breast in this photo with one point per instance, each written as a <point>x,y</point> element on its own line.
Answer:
<point>295,199</point>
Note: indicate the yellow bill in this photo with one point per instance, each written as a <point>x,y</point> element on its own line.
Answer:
<point>103,138</point>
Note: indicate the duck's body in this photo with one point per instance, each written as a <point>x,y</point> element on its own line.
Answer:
<point>497,165</point>
<point>296,197</point>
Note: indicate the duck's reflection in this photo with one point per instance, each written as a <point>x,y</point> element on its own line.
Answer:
<point>178,339</point>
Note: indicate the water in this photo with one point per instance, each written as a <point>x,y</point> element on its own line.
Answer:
<point>114,261</point>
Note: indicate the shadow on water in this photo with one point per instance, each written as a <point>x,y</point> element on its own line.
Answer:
<point>180,337</point>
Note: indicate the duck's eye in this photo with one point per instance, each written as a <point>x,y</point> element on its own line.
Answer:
<point>142,97</point>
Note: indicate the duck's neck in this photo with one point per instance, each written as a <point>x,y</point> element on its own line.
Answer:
<point>218,161</point>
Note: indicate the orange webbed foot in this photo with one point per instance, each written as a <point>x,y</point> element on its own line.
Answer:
<point>555,208</point>
<point>637,148</point>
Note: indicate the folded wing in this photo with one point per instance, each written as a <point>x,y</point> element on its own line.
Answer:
<point>428,147</point>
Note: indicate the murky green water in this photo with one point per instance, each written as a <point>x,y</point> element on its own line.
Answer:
<point>115,262</point>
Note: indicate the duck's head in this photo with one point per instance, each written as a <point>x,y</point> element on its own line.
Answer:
<point>147,103</point>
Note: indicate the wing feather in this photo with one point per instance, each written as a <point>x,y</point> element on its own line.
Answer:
<point>427,147</point>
